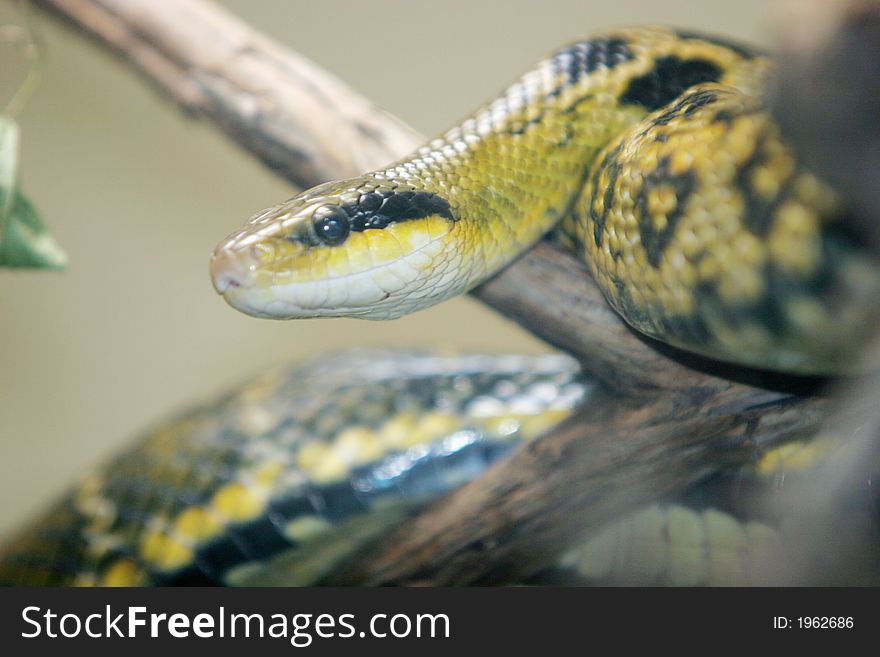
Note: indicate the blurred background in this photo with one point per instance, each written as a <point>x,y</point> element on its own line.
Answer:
<point>138,195</point>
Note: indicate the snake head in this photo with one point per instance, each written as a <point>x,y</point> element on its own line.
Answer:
<point>361,247</point>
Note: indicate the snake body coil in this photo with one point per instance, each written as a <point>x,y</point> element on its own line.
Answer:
<point>279,480</point>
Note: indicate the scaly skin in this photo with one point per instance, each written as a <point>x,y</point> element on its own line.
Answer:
<point>280,479</point>
<point>652,149</point>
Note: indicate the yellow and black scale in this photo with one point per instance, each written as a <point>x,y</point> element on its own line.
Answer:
<point>652,148</point>
<point>280,479</point>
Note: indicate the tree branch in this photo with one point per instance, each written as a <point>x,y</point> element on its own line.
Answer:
<point>301,121</point>
<point>659,426</point>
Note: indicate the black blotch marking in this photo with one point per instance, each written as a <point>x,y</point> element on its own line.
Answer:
<point>219,556</point>
<point>612,165</point>
<point>246,542</point>
<point>577,60</point>
<point>827,283</point>
<point>648,322</point>
<point>670,77</point>
<point>743,50</point>
<point>379,210</point>
<point>519,127</point>
<point>724,116</point>
<point>841,242</point>
<point>283,510</point>
<point>686,106</point>
<point>260,539</point>
<point>823,283</point>
<point>767,310</point>
<point>694,332</point>
<point>340,501</point>
<point>635,315</point>
<point>371,210</point>
<point>683,185</point>
<point>577,102</point>
<point>370,202</point>
<point>841,233</point>
<point>759,212</point>
<point>653,326</point>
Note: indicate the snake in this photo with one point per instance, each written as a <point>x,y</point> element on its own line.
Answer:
<point>650,154</point>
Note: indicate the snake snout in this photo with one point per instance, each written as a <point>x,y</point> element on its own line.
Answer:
<point>232,268</point>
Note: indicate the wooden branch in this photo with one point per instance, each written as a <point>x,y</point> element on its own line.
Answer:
<point>301,121</point>
<point>660,426</point>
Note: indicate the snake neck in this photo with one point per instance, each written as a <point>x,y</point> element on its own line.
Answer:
<point>515,168</point>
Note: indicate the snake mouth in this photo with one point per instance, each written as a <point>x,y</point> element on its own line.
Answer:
<point>380,274</point>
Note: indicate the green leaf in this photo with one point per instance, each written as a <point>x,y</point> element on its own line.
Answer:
<point>26,242</point>
<point>24,239</point>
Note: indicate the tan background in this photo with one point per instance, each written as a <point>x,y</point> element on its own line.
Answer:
<point>138,195</point>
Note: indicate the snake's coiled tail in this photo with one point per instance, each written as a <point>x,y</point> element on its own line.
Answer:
<point>279,480</point>
<point>651,148</point>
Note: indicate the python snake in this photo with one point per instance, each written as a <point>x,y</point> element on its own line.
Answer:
<point>650,151</point>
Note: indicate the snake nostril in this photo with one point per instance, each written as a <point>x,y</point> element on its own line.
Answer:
<point>226,282</point>
<point>227,270</point>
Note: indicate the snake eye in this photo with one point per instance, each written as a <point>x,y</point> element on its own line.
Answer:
<point>331,225</point>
